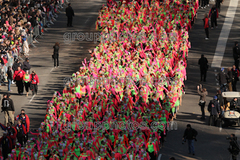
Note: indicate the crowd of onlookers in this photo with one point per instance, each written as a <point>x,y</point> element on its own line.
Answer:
<point>21,22</point>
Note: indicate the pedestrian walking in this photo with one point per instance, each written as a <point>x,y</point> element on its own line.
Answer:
<point>8,108</point>
<point>6,144</point>
<point>26,122</point>
<point>230,79</point>
<point>70,15</point>
<point>236,55</point>
<point>214,110</point>
<point>9,78</point>
<point>190,135</point>
<point>222,79</point>
<point>213,13</point>
<point>202,101</point>
<point>34,82</point>
<point>27,81</point>
<point>21,131</point>
<point>18,77</point>
<point>206,25</point>
<point>56,54</point>
<point>26,65</point>
<point>203,62</point>
<point>235,75</point>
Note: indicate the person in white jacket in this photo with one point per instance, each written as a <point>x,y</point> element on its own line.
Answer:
<point>25,47</point>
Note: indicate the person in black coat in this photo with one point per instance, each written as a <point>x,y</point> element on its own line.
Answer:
<point>17,64</point>
<point>26,65</point>
<point>233,104</point>
<point>235,76</point>
<point>69,14</point>
<point>214,110</point>
<point>218,4</point>
<point>9,77</point>
<point>190,135</point>
<point>236,55</point>
<point>6,143</point>
<point>56,54</point>
<point>213,13</point>
<point>203,62</point>
<point>222,79</point>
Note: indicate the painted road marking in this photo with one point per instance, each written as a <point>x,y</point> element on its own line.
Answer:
<point>159,157</point>
<point>222,40</point>
<point>52,69</point>
<point>31,99</point>
<point>86,20</point>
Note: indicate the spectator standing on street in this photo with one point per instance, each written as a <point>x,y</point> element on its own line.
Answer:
<point>9,78</point>
<point>236,53</point>
<point>27,81</point>
<point>25,47</point>
<point>220,101</point>
<point>56,54</point>
<point>203,62</point>
<point>218,4</point>
<point>6,143</point>
<point>25,121</point>
<point>235,75</point>
<point>202,102</point>
<point>8,108</point>
<point>230,79</point>
<point>222,79</point>
<point>69,14</point>
<point>17,64</point>
<point>206,26</point>
<point>21,131</point>
<point>18,77</point>
<point>190,134</point>
<point>213,13</point>
<point>34,82</point>
<point>26,65</point>
<point>214,110</point>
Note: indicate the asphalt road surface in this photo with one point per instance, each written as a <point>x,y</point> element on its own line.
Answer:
<point>211,144</point>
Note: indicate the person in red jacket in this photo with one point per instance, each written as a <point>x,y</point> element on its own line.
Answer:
<point>206,26</point>
<point>21,131</point>
<point>34,82</point>
<point>18,77</point>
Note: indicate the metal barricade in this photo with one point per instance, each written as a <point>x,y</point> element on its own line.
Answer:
<point>30,40</point>
<point>36,33</point>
